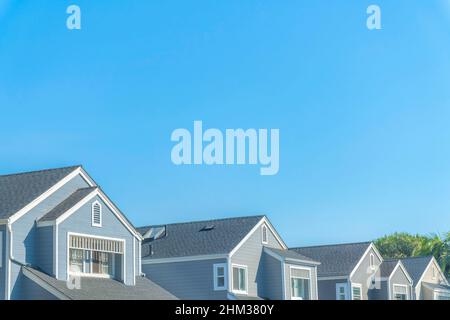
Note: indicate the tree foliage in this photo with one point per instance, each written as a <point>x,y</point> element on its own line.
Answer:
<point>402,245</point>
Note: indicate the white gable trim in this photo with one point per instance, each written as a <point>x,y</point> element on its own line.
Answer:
<point>283,259</point>
<point>402,267</point>
<point>49,192</point>
<point>44,285</point>
<point>254,229</point>
<point>90,196</point>
<point>370,247</point>
<point>438,267</point>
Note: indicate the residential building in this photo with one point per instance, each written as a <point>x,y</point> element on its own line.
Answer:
<point>429,282</point>
<point>61,237</point>
<point>235,258</point>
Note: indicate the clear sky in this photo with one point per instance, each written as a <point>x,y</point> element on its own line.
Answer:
<point>364,116</point>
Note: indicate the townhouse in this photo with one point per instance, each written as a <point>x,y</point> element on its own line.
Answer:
<point>235,258</point>
<point>428,280</point>
<point>61,237</point>
<point>347,271</point>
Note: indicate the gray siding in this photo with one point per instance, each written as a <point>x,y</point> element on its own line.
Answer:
<point>327,289</point>
<point>32,291</point>
<point>272,285</point>
<point>3,253</point>
<point>287,283</point>
<point>428,277</point>
<point>364,273</point>
<point>186,280</point>
<point>80,222</point>
<point>399,278</point>
<point>45,237</point>
<point>25,248</point>
<point>249,254</point>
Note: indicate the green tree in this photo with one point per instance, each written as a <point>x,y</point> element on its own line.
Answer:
<point>402,245</point>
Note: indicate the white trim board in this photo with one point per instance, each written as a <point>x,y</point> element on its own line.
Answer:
<point>49,192</point>
<point>95,193</point>
<point>185,259</point>
<point>254,229</point>
<point>371,246</point>
<point>289,260</point>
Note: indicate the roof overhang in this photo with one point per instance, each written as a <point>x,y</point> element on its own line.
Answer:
<point>286,259</point>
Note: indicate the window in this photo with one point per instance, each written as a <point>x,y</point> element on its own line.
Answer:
<point>372,261</point>
<point>220,278</point>
<point>433,270</point>
<point>240,279</point>
<point>356,292</point>
<point>400,292</point>
<point>96,214</point>
<point>95,256</point>
<point>341,291</point>
<point>265,239</point>
<point>300,284</point>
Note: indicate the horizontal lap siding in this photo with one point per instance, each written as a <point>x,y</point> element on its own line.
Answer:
<point>45,253</point>
<point>313,282</point>
<point>400,278</point>
<point>363,273</point>
<point>273,286</point>
<point>80,222</point>
<point>250,255</point>
<point>327,289</point>
<point>26,248</point>
<point>186,280</point>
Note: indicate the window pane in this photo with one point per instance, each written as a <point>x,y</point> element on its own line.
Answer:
<point>242,280</point>
<point>221,282</point>
<point>76,260</point>
<point>300,288</point>
<point>235,279</point>
<point>220,271</point>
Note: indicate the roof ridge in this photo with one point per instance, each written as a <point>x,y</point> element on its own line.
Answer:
<point>332,245</point>
<point>39,171</point>
<point>418,257</point>
<point>200,221</point>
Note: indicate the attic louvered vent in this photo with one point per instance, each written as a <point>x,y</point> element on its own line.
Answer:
<point>208,227</point>
<point>96,214</point>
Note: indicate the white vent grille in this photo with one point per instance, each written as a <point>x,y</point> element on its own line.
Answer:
<point>96,214</point>
<point>104,245</point>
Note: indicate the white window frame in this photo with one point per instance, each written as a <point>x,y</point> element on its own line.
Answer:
<point>264,230</point>
<point>399,285</point>
<point>240,266</point>
<point>359,286</point>
<point>310,281</point>
<point>338,293</point>
<point>101,214</point>
<point>94,275</point>
<point>216,276</point>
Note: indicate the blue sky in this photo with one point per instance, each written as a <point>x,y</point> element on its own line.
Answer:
<point>363,115</point>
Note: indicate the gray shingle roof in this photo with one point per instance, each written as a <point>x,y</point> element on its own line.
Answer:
<point>336,260</point>
<point>67,204</point>
<point>106,289</point>
<point>190,238</point>
<point>387,267</point>
<point>416,267</point>
<point>289,254</point>
<point>18,190</point>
